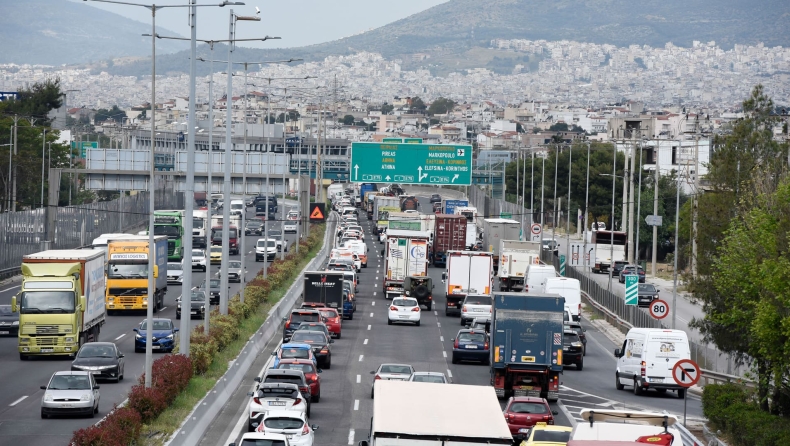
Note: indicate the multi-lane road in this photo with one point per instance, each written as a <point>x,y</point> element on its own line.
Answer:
<point>20,396</point>
<point>344,413</point>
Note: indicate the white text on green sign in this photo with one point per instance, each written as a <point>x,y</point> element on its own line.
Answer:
<point>411,163</point>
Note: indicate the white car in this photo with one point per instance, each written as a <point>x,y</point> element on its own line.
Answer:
<point>293,425</point>
<point>175,273</point>
<point>199,259</point>
<point>258,438</point>
<point>404,309</point>
<point>265,250</point>
<point>429,377</point>
<point>274,396</point>
<point>69,393</point>
<point>290,226</point>
<point>475,305</point>
<point>383,236</point>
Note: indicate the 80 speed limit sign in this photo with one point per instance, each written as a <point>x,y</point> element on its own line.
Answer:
<point>659,309</point>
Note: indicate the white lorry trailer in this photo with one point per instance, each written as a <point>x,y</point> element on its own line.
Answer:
<point>514,257</point>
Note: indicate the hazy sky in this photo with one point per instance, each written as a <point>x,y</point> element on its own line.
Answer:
<point>297,22</point>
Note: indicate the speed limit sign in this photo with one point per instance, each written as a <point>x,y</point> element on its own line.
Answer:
<point>659,309</point>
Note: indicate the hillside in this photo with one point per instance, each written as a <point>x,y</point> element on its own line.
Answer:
<point>56,32</point>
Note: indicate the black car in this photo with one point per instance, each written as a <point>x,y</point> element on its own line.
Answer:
<point>253,227</point>
<point>213,289</point>
<point>647,293</point>
<point>9,321</point>
<point>617,267</point>
<point>296,318</point>
<point>319,342</point>
<point>436,198</point>
<point>632,269</point>
<point>572,349</point>
<point>577,327</point>
<point>102,359</point>
<point>197,305</point>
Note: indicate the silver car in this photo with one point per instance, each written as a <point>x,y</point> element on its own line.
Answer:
<point>175,273</point>
<point>475,305</point>
<point>234,271</point>
<point>391,372</point>
<point>70,393</point>
<point>428,377</point>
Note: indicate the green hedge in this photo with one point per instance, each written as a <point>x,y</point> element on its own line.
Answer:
<point>732,409</point>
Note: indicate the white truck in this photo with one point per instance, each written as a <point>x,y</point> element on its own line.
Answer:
<point>514,256</point>
<point>199,223</point>
<point>468,272</point>
<point>407,413</point>
<point>470,212</point>
<point>406,255</point>
<point>496,229</point>
<point>609,248</point>
<point>609,426</point>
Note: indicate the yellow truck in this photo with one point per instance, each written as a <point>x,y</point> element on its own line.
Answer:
<point>127,274</point>
<point>60,302</point>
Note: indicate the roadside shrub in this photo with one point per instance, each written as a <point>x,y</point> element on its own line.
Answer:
<point>223,329</point>
<point>148,402</point>
<point>732,409</point>
<point>201,350</point>
<point>171,375</point>
<point>120,428</point>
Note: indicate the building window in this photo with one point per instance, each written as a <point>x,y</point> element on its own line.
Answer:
<point>674,155</point>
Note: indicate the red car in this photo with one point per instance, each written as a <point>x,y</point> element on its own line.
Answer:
<point>522,412</point>
<point>332,320</point>
<point>307,367</point>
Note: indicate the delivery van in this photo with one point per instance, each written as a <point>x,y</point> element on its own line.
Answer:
<point>570,289</point>
<point>536,276</point>
<point>647,357</point>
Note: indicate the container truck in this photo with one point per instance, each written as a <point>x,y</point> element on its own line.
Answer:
<point>470,212</point>
<point>406,255</point>
<point>407,413</point>
<point>127,274</point>
<point>514,256</point>
<point>382,206</point>
<point>526,344</point>
<point>496,229</point>
<point>409,203</point>
<point>364,188</point>
<point>609,248</point>
<point>449,235</point>
<point>61,301</point>
<point>468,272</point>
<point>325,287</point>
<point>171,225</point>
<point>448,206</point>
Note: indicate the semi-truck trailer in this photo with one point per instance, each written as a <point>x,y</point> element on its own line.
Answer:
<point>449,235</point>
<point>470,212</point>
<point>468,272</point>
<point>406,255</point>
<point>127,274</point>
<point>364,188</point>
<point>526,344</point>
<point>61,301</point>
<point>496,229</point>
<point>514,256</point>
<point>325,287</point>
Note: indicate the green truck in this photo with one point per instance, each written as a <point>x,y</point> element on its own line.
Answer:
<point>171,224</point>
<point>61,301</point>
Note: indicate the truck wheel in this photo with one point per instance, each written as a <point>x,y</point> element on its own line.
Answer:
<point>637,388</point>
<point>23,357</point>
<point>617,384</point>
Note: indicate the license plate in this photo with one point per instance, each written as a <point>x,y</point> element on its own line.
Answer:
<point>193,312</point>
<point>471,346</point>
<point>277,403</point>
<point>66,406</point>
<point>155,347</point>
<point>4,332</point>
<point>523,431</point>
<point>404,317</point>
<point>479,310</point>
<point>657,380</point>
<point>565,349</point>
<point>47,350</point>
<point>96,372</point>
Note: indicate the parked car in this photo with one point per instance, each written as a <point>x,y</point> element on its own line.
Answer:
<point>647,293</point>
<point>470,345</point>
<point>632,269</point>
<point>70,393</point>
<point>102,359</point>
<point>523,412</point>
<point>391,372</point>
<point>311,373</point>
<point>164,333</point>
<point>9,321</point>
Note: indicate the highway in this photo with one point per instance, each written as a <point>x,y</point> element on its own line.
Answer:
<point>344,412</point>
<point>20,395</point>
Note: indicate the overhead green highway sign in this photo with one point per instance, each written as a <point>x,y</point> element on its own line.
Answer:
<point>408,163</point>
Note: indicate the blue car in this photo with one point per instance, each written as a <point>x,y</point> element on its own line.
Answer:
<point>293,351</point>
<point>164,337</point>
<point>349,306</point>
<point>471,345</point>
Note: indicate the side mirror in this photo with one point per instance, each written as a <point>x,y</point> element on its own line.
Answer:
<point>331,341</point>
<point>120,355</point>
<point>43,387</point>
<point>285,318</point>
<point>13,304</point>
<point>274,353</point>
<point>175,330</point>
<point>320,371</point>
<point>617,353</point>
<point>372,372</point>
<point>314,427</point>
<point>444,277</point>
<point>82,305</point>
<point>135,330</point>
<point>96,388</point>
<point>156,271</point>
<point>554,412</point>
<point>257,379</point>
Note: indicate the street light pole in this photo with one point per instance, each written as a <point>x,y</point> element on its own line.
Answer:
<point>611,232</point>
<point>224,287</point>
<point>638,206</point>
<point>655,228</point>
<point>586,261</point>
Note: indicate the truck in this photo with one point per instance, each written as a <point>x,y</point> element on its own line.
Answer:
<point>449,235</point>
<point>382,206</point>
<point>468,272</point>
<point>368,204</point>
<point>526,344</point>
<point>171,224</point>
<point>200,199</point>
<point>61,301</point>
<point>406,255</point>
<point>233,233</point>
<point>409,203</point>
<point>409,413</point>
<point>496,229</point>
<point>605,427</point>
<point>325,287</point>
<point>127,274</point>
<point>609,248</point>
<point>199,225</point>
<point>448,206</point>
<point>514,256</point>
<point>470,212</point>
<point>365,188</point>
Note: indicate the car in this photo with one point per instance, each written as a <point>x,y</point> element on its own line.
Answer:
<point>333,321</point>
<point>236,207</point>
<point>428,377</point>
<point>197,305</point>
<point>293,351</point>
<point>437,208</point>
<point>311,373</point>
<point>436,198</point>
<point>549,245</point>
<point>293,425</point>
<point>647,293</point>
<point>291,377</point>
<point>481,323</point>
<point>391,372</point>
<point>175,273</point>
<point>319,327</point>
<point>581,331</point>
<point>572,349</point>
<point>523,412</point>
<point>253,227</point>
<point>199,260</point>
<point>617,267</point>
<point>214,285</point>
<point>544,435</point>
<point>262,438</point>
<point>234,271</point>
<point>265,248</point>
<point>475,305</point>
<point>163,338</point>
<point>248,201</point>
<point>382,236</point>
<point>277,235</point>
<point>319,342</point>
<point>102,359</point>
<point>277,395</point>
<point>70,393</point>
<point>9,321</point>
<point>404,309</point>
<point>296,318</point>
<point>215,255</point>
<point>470,345</point>
<point>632,269</point>
<point>290,226</point>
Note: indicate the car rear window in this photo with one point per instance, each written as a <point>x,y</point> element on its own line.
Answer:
<point>404,303</point>
<point>283,379</point>
<point>297,353</point>
<point>307,335</point>
<point>249,442</point>
<point>283,423</point>
<point>276,392</point>
<point>528,408</point>
<point>395,369</point>
<point>428,379</point>
<point>304,368</point>
<point>471,337</point>
<point>570,337</point>
<point>551,436</point>
<point>478,300</point>
<point>304,317</point>
<point>328,313</point>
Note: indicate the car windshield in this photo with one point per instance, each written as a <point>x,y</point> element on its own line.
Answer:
<point>392,368</point>
<point>158,325</point>
<point>198,253</point>
<point>170,231</point>
<point>253,224</point>
<point>471,337</point>
<point>428,378</point>
<point>257,442</point>
<point>308,336</point>
<point>198,296</point>
<point>174,267</point>
<point>477,300</point>
<point>569,338</point>
<point>551,436</point>
<point>304,368</point>
<point>96,351</point>
<point>283,423</point>
<point>647,287</point>
<point>270,244</point>
<point>404,303</point>
<point>304,317</point>
<point>214,283</point>
<point>234,264</point>
<point>298,353</point>
<point>216,249</point>
<point>237,205</point>
<point>518,407</point>
<point>70,382</point>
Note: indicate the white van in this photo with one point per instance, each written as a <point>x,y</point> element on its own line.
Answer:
<point>236,207</point>
<point>570,289</point>
<point>536,276</point>
<point>646,359</point>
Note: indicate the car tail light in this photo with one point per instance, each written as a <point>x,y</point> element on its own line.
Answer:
<point>260,428</point>
<point>580,310</point>
<point>288,324</point>
<point>463,309</point>
<point>393,308</point>
<point>257,400</point>
<point>324,350</point>
<point>416,309</point>
<point>377,377</point>
<point>305,429</point>
<point>491,309</point>
<point>297,401</point>
<point>642,369</point>
<point>456,343</point>
<point>485,346</point>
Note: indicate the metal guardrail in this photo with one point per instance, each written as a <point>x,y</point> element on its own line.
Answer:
<point>687,437</point>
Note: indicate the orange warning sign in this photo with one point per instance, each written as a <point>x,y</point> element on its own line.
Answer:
<point>317,212</point>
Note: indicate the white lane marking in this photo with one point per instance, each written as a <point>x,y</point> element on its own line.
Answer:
<point>365,342</point>
<point>119,337</point>
<point>368,327</point>
<point>377,271</point>
<point>18,401</point>
<point>9,289</point>
<point>351,436</point>
<point>439,324</point>
<point>373,303</point>
<point>163,308</point>
<point>361,357</point>
<point>444,353</point>
<point>374,293</point>
<point>377,278</point>
<point>449,373</point>
<point>359,379</point>
<point>371,314</point>
<point>435,313</point>
<point>356,404</point>
<point>441,338</point>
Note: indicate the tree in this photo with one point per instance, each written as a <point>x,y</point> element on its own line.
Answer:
<point>387,108</point>
<point>114,114</point>
<point>417,105</point>
<point>441,106</point>
<point>559,127</point>
<point>348,120</point>
<point>36,101</point>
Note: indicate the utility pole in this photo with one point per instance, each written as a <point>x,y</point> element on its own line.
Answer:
<point>631,203</point>
<point>626,176</point>
<point>16,151</point>
<point>695,202</point>
<point>655,228</point>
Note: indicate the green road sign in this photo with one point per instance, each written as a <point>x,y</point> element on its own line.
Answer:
<point>84,145</point>
<point>562,265</point>
<point>405,225</point>
<point>395,140</point>
<point>411,163</point>
<point>412,140</point>
<point>505,215</point>
<point>631,289</point>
